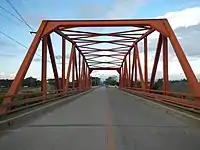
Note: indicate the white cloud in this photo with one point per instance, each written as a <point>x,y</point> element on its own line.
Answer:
<point>173,62</point>
<point>186,25</point>
<point>2,74</point>
<point>189,39</point>
<point>180,19</point>
<point>184,22</point>
<point>183,18</point>
<point>12,75</point>
<point>103,74</point>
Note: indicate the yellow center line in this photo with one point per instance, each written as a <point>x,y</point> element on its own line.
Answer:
<point>110,135</point>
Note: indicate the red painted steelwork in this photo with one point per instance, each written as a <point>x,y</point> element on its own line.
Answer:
<point>83,44</point>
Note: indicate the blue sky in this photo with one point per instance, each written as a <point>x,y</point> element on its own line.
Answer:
<point>12,54</point>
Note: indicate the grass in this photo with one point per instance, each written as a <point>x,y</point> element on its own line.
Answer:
<point>31,94</point>
<point>2,97</point>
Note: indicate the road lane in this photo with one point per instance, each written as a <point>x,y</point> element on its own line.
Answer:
<point>79,125</point>
<point>142,126</point>
<point>105,119</point>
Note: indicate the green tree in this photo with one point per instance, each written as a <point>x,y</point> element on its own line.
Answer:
<point>30,82</point>
<point>111,81</point>
<point>158,84</point>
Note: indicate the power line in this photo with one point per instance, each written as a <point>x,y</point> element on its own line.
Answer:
<point>22,21</point>
<point>9,18</point>
<point>15,9</point>
<point>16,41</point>
<point>11,14</point>
<point>11,38</point>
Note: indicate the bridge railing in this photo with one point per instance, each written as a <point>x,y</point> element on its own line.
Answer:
<point>185,100</point>
<point>25,100</point>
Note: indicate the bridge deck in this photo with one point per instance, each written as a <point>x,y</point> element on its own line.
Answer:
<point>105,119</point>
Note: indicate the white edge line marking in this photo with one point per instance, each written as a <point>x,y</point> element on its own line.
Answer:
<point>149,101</point>
<point>37,109</point>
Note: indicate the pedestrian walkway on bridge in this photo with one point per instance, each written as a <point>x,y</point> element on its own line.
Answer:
<point>105,119</point>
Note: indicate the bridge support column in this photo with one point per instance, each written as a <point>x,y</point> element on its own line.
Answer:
<point>73,71</point>
<point>145,63</point>
<point>126,74</point>
<point>79,72</point>
<point>44,68</point>
<point>63,62</point>
<point>79,42</point>
<point>76,69</point>
<point>83,79</point>
<point>133,67</point>
<point>129,69</point>
<point>135,62</point>
<point>165,66</point>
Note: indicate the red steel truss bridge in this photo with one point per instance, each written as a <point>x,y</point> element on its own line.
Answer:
<point>132,116</point>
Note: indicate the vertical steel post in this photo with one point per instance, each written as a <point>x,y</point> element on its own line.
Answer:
<point>129,69</point>
<point>145,63</point>
<point>85,69</point>
<point>44,68</point>
<point>63,62</point>
<point>121,77</point>
<point>132,72</point>
<point>76,69</point>
<point>165,66</point>
<point>119,80</point>
<point>89,79</point>
<point>86,74</point>
<point>73,70</point>
<point>125,73</point>
<point>135,53</point>
<point>79,70</point>
<point>83,75</point>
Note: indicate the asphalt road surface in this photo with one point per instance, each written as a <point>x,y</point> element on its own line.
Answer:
<point>105,119</point>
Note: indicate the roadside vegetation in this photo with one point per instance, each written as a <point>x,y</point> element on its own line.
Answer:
<point>30,87</point>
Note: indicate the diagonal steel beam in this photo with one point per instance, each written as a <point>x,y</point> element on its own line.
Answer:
<point>67,38</point>
<point>144,35</point>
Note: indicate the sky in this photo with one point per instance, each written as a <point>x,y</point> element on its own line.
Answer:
<point>183,15</point>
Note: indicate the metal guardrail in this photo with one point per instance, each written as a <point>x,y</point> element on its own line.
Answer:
<point>182,100</point>
<point>22,101</point>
